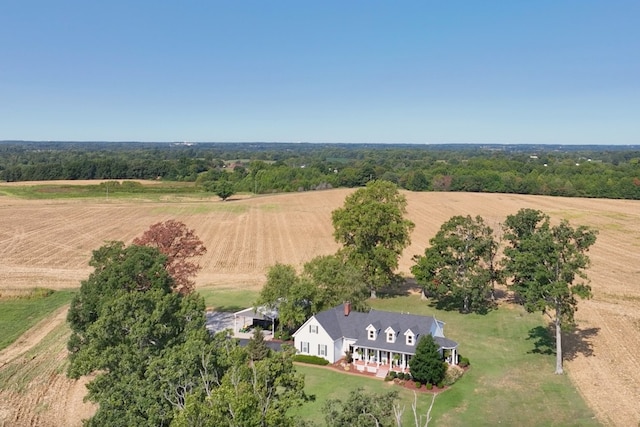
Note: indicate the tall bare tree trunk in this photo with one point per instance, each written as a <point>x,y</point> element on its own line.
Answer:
<point>558,343</point>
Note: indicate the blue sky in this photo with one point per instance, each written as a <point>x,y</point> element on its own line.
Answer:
<point>565,72</point>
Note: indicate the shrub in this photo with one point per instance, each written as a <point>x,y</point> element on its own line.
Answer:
<point>388,377</point>
<point>453,374</point>
<point>312,360</point>
<point>464,362</point>
<point>393,374</point>
<point>348,356</point>
<point>429,386</point>
<point>283,335</point>
<point>419,384</point>
<point>41,293</point>
<point>440,384</point>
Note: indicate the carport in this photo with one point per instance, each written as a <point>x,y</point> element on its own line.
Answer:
<point>251,317</point>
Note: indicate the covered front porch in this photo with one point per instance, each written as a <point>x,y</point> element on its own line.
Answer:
<point>377,361</point>
<point>372,360</point>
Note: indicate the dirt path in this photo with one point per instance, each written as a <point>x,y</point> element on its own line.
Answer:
<point>35,390</point>
<point>33,336</point>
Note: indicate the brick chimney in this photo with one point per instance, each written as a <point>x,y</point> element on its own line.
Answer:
<point>347,308</point>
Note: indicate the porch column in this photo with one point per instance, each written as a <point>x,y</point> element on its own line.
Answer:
<point>378,357</point>
<point>454,357</point>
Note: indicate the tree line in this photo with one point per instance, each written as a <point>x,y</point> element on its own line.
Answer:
<point>580,171</point>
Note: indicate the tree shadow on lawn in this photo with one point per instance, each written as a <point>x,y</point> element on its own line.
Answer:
<point>452,303</point>
<point>228,308</point>
<point>405,287</point>
<point>575,342</point>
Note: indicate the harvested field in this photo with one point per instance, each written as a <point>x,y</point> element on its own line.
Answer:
<point>48,243</point>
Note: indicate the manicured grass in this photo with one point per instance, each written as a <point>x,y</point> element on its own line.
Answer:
<point>509,381</point>
<point>225,299</point>
<point>323,383</point>
<point>17,315</point>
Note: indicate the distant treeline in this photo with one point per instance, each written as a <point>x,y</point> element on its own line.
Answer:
<point>582,171</point>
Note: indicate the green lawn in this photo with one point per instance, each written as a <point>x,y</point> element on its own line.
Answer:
<point>226,299</point>
<point>325,383</point>
<point>509,383</point>
<point>17,315</point>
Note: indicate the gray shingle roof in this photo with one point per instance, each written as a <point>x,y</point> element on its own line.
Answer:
<point>354,326</point>
<point>338,325</point>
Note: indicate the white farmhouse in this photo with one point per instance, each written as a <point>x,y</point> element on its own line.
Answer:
<point>377,340</point>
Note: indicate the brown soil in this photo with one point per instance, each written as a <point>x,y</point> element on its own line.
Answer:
<point>37,393</point>
<point>49,242</point>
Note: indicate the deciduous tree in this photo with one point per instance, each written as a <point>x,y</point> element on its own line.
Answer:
<point>153,359</point>
<point>459,264</point>
<point>290,295</point>
<point>547,266</point>
<point>118,270</point>
<point>258,394</point>
<point>362,409</point>
<point>336,281</point>
<point>179,244</point>
<point>222,188</point>
<point>373,231</point>
<point>124,320</point>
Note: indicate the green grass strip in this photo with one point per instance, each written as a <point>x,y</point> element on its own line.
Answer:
<point>19,314</point>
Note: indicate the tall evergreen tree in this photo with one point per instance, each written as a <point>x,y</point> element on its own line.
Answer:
<point>427,365</point>
<point>256,347</point>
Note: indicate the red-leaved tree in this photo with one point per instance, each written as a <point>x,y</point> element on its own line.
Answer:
<point>179,244</point>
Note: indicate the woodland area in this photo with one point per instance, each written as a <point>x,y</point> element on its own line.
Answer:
<point>574,171</point>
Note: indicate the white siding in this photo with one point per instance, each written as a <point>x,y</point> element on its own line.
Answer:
<point>304,334</point>
<point>338,353</point>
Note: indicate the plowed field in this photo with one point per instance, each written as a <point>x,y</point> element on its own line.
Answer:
<point>49,242</point>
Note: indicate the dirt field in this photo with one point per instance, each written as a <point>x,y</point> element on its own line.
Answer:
<point>48,243</point>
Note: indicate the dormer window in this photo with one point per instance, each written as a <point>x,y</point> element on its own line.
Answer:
<point>410,337</point>
<point>391,334</point>
<point>372,332</point>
